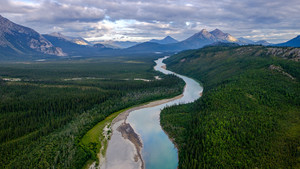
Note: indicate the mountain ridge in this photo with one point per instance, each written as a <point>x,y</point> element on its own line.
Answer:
<point>71,47</point>
<point>167,40</point>
<point>17,40</point>
<point>77,40</point>
<point>197,40</point>
<point>20,40</point>
<point>295,42</point>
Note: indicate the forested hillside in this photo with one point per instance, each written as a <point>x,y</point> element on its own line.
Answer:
<point>46,108</point>
<point>249,114</point>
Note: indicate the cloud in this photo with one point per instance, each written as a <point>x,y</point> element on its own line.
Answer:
<point>143,19</point>
<point>53,12</point>
<point>13,7</point>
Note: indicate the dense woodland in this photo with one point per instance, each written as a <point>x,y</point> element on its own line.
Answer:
<point>46,113</point>
<point>248,116</point>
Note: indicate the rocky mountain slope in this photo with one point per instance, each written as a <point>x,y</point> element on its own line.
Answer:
<point>74,46</point>
<point>77,40</point>
<point>196,41</point>
<point>19,40</point>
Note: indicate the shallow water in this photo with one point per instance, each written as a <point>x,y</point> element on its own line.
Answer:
<point>158,151</point>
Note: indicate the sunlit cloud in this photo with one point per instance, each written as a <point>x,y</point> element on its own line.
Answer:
<point>274,20</point>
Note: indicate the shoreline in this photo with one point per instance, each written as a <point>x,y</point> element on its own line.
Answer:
<point>127,134</point>
<point>124,115</point>
<point>171,138</point>
<point>127,131</point>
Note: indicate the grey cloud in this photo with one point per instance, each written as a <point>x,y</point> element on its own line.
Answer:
<point>55,12</point>
<point>238,17</point>
<point>7,6</point>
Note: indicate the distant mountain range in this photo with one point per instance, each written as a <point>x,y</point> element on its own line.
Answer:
<point>295,42</point>
<point>204,37</point>
<point>74,46</point>
<point>116,44</point>
<point>77,40</point>
<point>198,40</point>
<point>18,41</point>
<point>244,41</point>
<point>166,40</point>
<point>128,44</point>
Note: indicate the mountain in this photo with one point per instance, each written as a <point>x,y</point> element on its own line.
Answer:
<point>17,40</point>
<point>196,41</point>
<point>124,44</point>
<point>77,40</point>
<point>166,40</point>
<point>99,46</point>
<point>244,41</point>
<point>295,42</point>
<point>74,46</point>
<point>204,38</point>
<point>81,41</point>
<point>263,42</point>
<point>66,44</point>
<point>116,44</point>
<point>223,37</point>
<point>150,47</point>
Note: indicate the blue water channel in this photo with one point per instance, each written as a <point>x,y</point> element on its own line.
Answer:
<point>158,151</point>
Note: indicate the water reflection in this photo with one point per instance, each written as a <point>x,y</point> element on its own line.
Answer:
<point>158,151</point>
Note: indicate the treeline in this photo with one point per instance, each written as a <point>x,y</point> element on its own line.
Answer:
<point>43,109</point>
<point>111,68</point>
<point>42,122</point>
<point>248,116</point>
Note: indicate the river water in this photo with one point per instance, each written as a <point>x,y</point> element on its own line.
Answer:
<point>157,151</point>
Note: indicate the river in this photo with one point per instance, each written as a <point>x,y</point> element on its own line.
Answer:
<point>138,140</point>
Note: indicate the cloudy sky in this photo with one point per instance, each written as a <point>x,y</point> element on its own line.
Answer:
<point>140,20</point>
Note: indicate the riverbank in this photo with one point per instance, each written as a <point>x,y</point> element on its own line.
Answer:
<point>128,134</point>
<point>172,138</point>
<point>254,107</point>
<point>100,138</point>
<point>95,136</point>
<point>137,136</point>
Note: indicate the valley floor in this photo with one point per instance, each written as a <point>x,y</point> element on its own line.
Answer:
<point>45,119</point>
